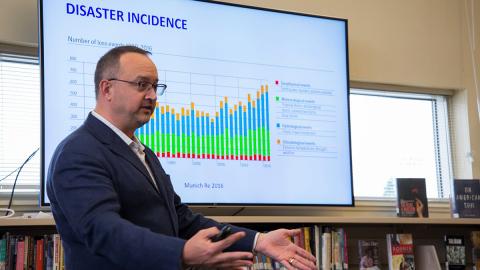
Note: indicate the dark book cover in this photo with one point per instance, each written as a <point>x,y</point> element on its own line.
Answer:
<point>400,252</point>
<point>49,253</point>
<point>368,253</point>
<point>313,248</point>
<point>466,198</point>
<point>12,254</point>
<point>412,197</point>
<point>455,252</point>
<point>29,252</point>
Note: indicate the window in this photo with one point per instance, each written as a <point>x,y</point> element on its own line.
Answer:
<point>19,123</point>
<point>399,135</point>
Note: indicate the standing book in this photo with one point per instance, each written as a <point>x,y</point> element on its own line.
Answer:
<point>368,253</point>
<point>466,198</point>
<point>326,249</point>
<point>400,252</point>
<point>426,258</point>
<point>455,252</point>
<point>412,197</point>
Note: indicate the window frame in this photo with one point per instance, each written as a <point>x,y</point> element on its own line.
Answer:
<point>442,134</point>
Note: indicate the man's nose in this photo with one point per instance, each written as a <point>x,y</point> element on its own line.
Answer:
<point>151,94</point>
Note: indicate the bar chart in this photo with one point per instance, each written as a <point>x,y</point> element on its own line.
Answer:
<point>237,131</point>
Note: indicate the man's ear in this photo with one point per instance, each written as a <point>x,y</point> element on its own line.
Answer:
<point>104,90</point>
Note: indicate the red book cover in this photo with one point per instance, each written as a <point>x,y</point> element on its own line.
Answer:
<point>301,240</point>
<point>400,251</point>
<point>39,255</point>
<point>345,251</point>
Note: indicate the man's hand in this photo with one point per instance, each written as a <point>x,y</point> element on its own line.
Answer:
<point>200,251</point>
<point>277,245</point>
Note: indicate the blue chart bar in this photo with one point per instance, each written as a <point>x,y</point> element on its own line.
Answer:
<point>238,132</point>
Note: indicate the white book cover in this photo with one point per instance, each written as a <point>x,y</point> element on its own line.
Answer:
<point>426,258</point>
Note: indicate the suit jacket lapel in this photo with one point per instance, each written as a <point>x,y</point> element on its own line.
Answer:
<point>108,137</point>
<point>152,162</point>
<point>114,143</point>
<point>128,154</point>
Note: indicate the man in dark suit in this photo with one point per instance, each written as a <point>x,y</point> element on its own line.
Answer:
<point>114,205</point>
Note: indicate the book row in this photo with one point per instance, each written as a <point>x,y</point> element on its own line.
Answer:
<point>31,252</point>
<point>330,247</point>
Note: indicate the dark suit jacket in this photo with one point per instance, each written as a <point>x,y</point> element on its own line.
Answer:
<point>108,211</point>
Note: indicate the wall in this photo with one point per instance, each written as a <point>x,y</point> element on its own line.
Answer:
<point>397,42</point>
<point>471,74</point>
<point>412,42</point>
<point>18,22</point>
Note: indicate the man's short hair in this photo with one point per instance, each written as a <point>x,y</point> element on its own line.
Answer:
<point>109,63</point>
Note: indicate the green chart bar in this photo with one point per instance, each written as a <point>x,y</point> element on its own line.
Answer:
<point>238,131</point>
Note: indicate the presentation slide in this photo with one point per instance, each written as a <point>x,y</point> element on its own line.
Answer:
<point>256,108</point>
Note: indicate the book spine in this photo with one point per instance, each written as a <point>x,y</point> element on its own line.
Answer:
<point>48,252</point>
<point>326,250</point>
<point>26,241</point>
<point>31,252</point>
<point>345,250</point>
<point>269,263</point>
<point>3,252</point>
<point>12,252</point>
<point>256,261</point>
<point>56,252</point>
<point>389,251</point>
<point>313,248</point>
<point>318,246</point>
<point>336,251</point>
<point>306,233</point>
<point>20,254</point>
<point>39,255</point>
<point>62,255</point>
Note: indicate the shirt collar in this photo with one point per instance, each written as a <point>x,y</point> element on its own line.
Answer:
<point>120,133</point>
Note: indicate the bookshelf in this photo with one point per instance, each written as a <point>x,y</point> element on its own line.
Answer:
<point>426,231</point>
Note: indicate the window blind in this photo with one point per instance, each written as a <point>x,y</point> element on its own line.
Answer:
<point>19,123</point>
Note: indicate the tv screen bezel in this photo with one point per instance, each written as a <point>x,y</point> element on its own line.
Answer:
<point>44,167</point>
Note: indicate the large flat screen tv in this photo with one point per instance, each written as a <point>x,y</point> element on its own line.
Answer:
<point>256,111</point>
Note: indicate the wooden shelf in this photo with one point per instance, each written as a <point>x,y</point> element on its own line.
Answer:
<point>344,220</point>
<point>19,221</point>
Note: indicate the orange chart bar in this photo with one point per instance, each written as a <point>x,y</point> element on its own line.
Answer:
<point>238,132</point>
